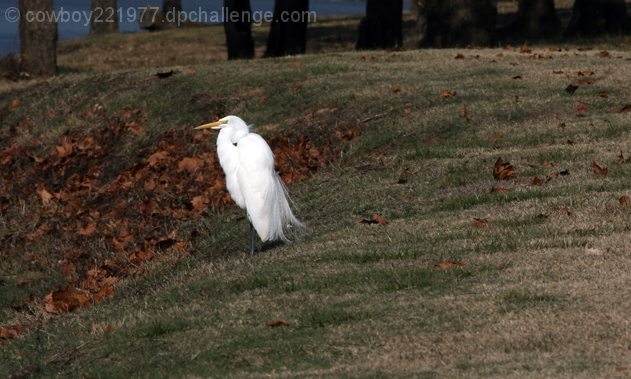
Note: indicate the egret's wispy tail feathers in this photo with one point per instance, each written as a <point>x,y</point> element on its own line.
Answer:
<point>271,214</point>
<point>285,226</point>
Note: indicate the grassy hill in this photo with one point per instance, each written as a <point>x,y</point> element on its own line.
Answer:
<point>122,256</point>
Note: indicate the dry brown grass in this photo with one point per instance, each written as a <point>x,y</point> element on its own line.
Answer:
<point>189,46</point>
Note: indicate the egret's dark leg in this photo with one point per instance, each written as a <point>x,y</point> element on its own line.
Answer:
<point>251,239</point>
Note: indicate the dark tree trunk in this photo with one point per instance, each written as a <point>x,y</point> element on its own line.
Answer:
<point>536,19</point>
<point>171,10</point>
<point>238,26</point>
<point>151,18</point>
<point>383,25</point>
<point>417,9</point>
<point>38,38</point>
<point>415,34</point>
<point>288,34</point>
<point>458,23</point>
<point>595,17</point>
<point>104,18</point>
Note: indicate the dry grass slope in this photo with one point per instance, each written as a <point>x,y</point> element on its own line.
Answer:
<point>545,292</point>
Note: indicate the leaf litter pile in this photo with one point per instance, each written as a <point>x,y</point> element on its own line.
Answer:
<point>94,222</point>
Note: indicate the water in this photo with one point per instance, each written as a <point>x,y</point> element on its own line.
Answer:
<point>80,10</point>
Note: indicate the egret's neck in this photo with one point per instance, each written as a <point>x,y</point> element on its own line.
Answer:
<point>229,135</point>
<point>225,137</point>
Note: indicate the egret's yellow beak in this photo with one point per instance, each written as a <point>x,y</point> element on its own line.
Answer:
<point>214,125</point>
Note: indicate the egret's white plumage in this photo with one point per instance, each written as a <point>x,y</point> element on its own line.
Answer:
<point>252,181</point>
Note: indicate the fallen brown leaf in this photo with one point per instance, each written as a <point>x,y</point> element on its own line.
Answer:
<point>536,181</point>
<point>464,114</point>
<point>14,104</point>
<point>45,196</point>
<point>189,164</point>
<point>163,75</point>
<point>91,228</point>
<point>598,170</point>
<point>496,189</point>
<point>403,178</point>
<point>375,220</point>
<point>503,170</point>
<point>67,270</point>
<point>276,324</point>
<point>379,221</point>
<point>624,201</point>
<point>480,223</point>
<point>621,156</point>
<point>103,293</point>
<point>445,265</point>
<point>571,88</point>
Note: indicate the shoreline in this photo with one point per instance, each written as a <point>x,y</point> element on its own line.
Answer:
<point>9,31</point>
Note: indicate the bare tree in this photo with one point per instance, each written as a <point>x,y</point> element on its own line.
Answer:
<point>171,10</point>
<point>151,18</point>
<point>535,19</point>
<point>459,23</point>
<point>38,37</point>
<point>383,25</point>
<point>596,17</point>
<point>238,26</point>
<point>415,34</point>
<point>288,34</point>
<point>104,17</point>
<point>417,9</point>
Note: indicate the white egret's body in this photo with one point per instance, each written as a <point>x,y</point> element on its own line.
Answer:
<point>252,181</point>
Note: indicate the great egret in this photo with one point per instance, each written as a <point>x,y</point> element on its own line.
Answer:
<point>252,181</point>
